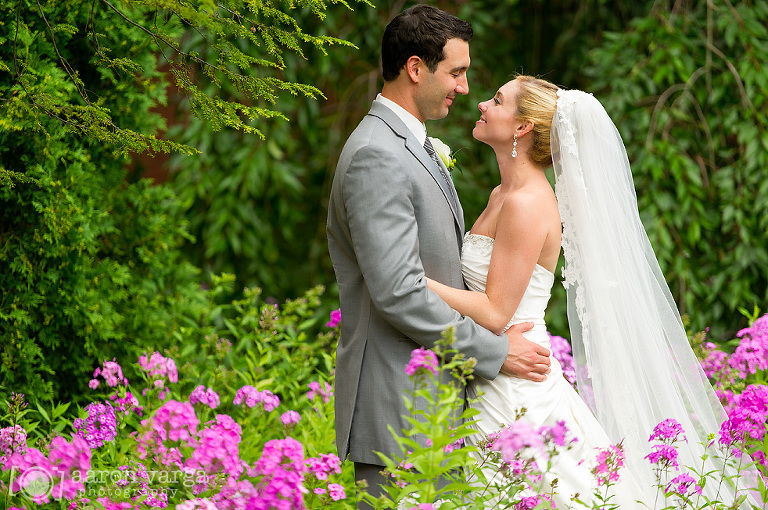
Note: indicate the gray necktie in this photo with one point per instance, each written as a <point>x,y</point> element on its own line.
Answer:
<point>451,193</point>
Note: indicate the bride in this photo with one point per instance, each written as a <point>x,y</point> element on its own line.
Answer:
<point>638,368</point>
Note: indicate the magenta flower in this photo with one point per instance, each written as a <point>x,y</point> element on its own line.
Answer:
<point>663,455</point>
<point>561,350</point>
<point>557,434</point>
<point>680,485</point>
<point>748,416</point>
<point>281,468</point>
<point>531,502</point>
<point>290,418</point>
<point>216,450</point>
<point>126,404</point>
<point>669,431</point>
<point>112,373</point>
<point>12,440</point>
<point>335,319</point>
<point>197,504</point>
<point>251,397</point>
<point>514,438</point>
<point>159,369</point>
<point>422,361</point>
<point>609,461</point>
<point>205,396</point>
<point>336,491</point>
<point>65,463</point>
<point>99,427</point>
<point>326,391</point>
<point>322,466</point>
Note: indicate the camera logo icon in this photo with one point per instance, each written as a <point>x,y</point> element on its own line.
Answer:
<point>35,482</point>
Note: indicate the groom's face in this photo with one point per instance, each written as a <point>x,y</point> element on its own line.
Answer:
<point>437,90</point>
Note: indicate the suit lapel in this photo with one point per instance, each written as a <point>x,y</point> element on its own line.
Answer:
<point>417,150</point>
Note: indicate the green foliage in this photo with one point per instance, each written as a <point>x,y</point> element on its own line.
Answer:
<point>686,88</point>
<point>94,263</point>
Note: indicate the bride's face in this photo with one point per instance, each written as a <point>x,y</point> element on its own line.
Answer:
<point>497,123</point>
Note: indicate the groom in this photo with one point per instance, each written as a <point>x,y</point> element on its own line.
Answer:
<point>393,218</point>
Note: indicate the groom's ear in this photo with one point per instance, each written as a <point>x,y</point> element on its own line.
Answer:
<point>414,66</point>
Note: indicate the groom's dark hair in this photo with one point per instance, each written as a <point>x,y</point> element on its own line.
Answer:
<point>421,30</point>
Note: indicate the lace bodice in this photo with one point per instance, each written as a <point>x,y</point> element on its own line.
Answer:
<point>475,261</point>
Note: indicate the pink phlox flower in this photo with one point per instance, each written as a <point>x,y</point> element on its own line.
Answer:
<point>325,391</point>
<point>335,318</point>
<point>322,466</point>
<point>58,468</point>
<point>680,485</point>
<point>251,397</point>
<point>664,455</point>
<point>422,361</point>
<point>336,491</point>
<point>237,495</point>
<point>217,449</point>
<point>197,504</point>
<point>99,427</point>
<point>290,418</point>
<point>319,490</point>
<point>608,462</point>
<point>516,437</point>
<point>108,504</point>
<point>747,417</point>
<point>112,373</point>
<point>561,351</point>
<point>159,367</point>
<point>175,421</point>
<point>126,404</point>
<point>281,468</point>
<point>668,431</point>
<point>531,502</point>
<point>12,440</point>
<point>751,355</point>
<point>205,396</point>
<point>558,434</point>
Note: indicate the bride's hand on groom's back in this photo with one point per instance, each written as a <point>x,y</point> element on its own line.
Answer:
<point>525,359</point>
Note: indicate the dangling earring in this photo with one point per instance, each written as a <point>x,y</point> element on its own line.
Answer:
<point>514,147</point>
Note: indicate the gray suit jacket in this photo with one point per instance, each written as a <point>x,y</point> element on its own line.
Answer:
<point>390,224</point>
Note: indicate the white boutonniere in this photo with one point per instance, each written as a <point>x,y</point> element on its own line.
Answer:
<point>444,152</point>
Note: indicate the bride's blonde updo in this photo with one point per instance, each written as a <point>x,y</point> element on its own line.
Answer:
<point>536,101</point>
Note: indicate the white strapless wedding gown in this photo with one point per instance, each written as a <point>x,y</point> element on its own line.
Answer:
<point>547,402</point>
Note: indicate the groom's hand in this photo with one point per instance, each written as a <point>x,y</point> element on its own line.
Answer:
<point>525,359</point>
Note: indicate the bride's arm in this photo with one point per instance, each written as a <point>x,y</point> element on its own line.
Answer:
<point>520,236</point>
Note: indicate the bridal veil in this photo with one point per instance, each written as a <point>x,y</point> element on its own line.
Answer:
<point>635,365</point>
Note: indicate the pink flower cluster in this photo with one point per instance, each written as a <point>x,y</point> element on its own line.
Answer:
<point>748,417</point>
<point>12,440</point>
<point>664,454</point>
<point>66,462</point>
<point>561,350</point>
<point>281,468</point>
<point>173,421</point>
<point>159,369</point>
<point>680,485</point>
<point>323,465</point>
<point>124,405</point>
<point>334,490</point>
<point>216,449</point>
<point>326,391</point>
<point>99,427</point>
<point>335,319</point>
<point>112,374</point>
<point>290,418</point>
<point>531,502</point>
<point>205,396</point>
<point>251,396</point>
<point>422,361</point>
<point>750,356</point>
<point>608,462</point>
